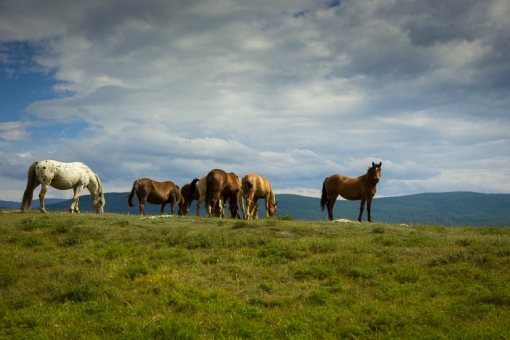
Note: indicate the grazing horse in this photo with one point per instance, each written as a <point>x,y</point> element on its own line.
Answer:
<point>185,201</point>
<point>220,184</point>
<point>255,187</point>
<point>148,190</point>
<point>62,176</point>
<point>362,188</point>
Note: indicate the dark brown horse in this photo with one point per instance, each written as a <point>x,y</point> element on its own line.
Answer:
<point>148,190</point>
<point>222,185</point>
<point>361,188</point>
<point>255,187</point>
<point>186,199</point>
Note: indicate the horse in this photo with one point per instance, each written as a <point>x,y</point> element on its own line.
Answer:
<point>362,188</point>
<point>220,184</point>
<point>199,186</point>
<point>255,187</point>
<point>148,190</point>
<point>185,201</point>
<point>62,176</point>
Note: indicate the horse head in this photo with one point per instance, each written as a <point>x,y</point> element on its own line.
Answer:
<point>272,209</point>
<point>375,171</point>
<point>98,202</point>
<point>183,205</point>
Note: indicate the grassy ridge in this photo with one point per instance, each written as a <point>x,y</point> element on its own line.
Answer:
<point>124,277</point>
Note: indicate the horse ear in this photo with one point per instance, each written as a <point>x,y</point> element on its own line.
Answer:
<point>373,164</point>
<point>380,163</point>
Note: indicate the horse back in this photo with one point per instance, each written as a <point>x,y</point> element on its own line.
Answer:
<point>347,187</point>
<point>260,185</point>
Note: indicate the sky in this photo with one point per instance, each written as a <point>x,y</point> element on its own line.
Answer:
<point>293,90</point>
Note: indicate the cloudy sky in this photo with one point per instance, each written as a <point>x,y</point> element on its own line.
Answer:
<point>294,90</point>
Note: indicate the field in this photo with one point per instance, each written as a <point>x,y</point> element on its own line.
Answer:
<point>114,276</point>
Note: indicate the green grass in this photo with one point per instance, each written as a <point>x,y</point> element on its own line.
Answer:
<point>86,276</point>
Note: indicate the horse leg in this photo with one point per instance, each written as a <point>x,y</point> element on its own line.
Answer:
<point>241,204</point>
<point>249,204</point>
<point>369,205</point>
<point>141,204</point>
<point>76,198</point>
<point>42,193</point>
<point>361,208</point>
<point>331,204</point>
<point>172,205</point>
<point>163,209</point>
<point>199,202</point>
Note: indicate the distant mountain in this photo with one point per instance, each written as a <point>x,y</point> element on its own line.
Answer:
<point>35,203</point>
<point>448,209</point>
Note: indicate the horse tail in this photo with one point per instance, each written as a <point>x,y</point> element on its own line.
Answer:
<point>130,197</point>
<point>249,186</point>
<point>192,189</point>
<point>324,197</point>
<point>180,198</point>
<point>208,191</point>
<point>32,183</point>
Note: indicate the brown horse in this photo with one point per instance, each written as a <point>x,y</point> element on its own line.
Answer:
<point>199,187</point>
<point>220,184</point>
<point>186,200</point>
<point>362,188</point>
<point>255,187</point>
<point>148,190</point>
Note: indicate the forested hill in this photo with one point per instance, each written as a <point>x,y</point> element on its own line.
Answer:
<point>448,209</point>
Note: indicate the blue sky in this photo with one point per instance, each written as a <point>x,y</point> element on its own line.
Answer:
<point>292,90</point>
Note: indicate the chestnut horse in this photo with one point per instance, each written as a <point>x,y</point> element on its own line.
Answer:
<point>186,200</point>
<point>220,184</point>
<point>255,187</point>
<point>148,190</point>
<point>62,176</point>
<point>362,188</point>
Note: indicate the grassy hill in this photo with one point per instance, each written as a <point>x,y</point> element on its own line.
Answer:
<point>448,209</point>
<point>119,276</point>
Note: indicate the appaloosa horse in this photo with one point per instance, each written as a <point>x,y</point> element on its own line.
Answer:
<point>362,188</point>
<point>148,190</point>
<point>255,187</point>
<point>220,184</point>
<point>62,176</point>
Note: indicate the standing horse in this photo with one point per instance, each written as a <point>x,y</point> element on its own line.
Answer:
<point>219,185</point>
<point>255,187</point>
<point>62,176</point>
<point>199,186</point>
<point>148,190</point>
<point>362,188</point>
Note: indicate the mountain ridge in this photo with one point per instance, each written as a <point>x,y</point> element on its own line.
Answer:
<point>459,208</point>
